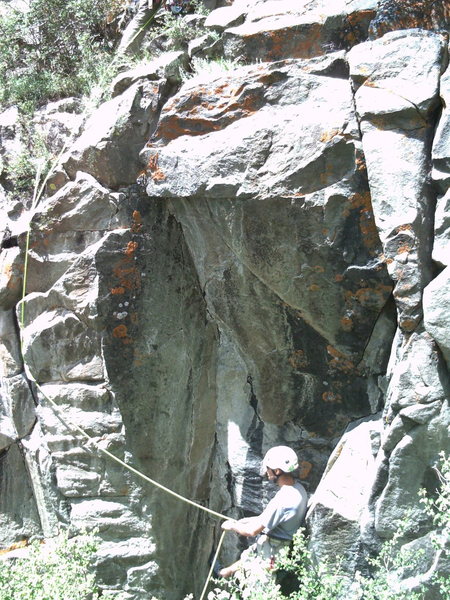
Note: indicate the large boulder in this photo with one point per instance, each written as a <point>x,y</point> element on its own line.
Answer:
<point>11,361</point>
<point>19,517</point>
<point>282,29</point>
<point>309,291</point>
<point>112,137</point>
<point>64,225</point>
<point>436,314</point>
<point>340,501</point>
<point>441,176</point>
<point>18,410</point>
<point>395,99</point>
<point>11,269</point>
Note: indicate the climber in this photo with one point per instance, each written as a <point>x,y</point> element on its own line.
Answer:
<point>135,30</point>
<point>276,525</point>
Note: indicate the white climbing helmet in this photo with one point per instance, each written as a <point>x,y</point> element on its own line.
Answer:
<point>281,457</point>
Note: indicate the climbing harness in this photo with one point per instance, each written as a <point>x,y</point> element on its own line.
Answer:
<point>37,193</point>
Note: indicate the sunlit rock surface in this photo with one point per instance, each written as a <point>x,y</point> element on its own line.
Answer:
<point>248,258</point>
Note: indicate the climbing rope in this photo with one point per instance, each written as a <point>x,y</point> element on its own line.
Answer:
<point>91,442</point>
<point>70,425</point>
<point>214,560</point>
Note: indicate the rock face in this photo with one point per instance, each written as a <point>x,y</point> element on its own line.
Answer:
<point>250,258</point>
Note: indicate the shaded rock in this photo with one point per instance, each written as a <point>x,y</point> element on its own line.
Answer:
<point>409,14</point>
<point>112,518</point>
<point>395,99</point>
<point>408,474</point>
<point>206,47</point>
<point>294,329</point>
<point>19,518</point>
<point>157,318</point>
<point>115,559</point>
<point>11,269</point>
<point>18,404</point>
<point>433,564</point>
<point>416,374</point>
<point>10,356</point>
<point>436,314</point>
<point>112,137</point>
<point>58,346</point>
<point>51,506</point>
<point>441,176</point>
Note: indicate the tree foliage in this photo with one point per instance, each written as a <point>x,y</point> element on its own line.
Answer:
<point>52,49</point>
<point>60,572</point>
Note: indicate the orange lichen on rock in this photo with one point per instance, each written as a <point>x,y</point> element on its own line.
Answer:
<point>128,276</point>
<point>125,270</point>
<point>367,226</point>
<point>404,248</point>
<point>152,165</point>
<point>15,546</point>
<point>328,135</point>
<point>369,297</point>
<point>118,290</point>
<point>158,175</point>
<point>305,468</point>
<point>131,248</point>
<point>332,397</point>
<point>121,331</point>
<point>408,324</point>
<point>346,323</point>
<point>339,362</point>
<point>298,360</point>
<point>136,225</point>
<point>289,42</point>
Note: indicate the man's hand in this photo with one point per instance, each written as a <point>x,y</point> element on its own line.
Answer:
<point>247,527</point>
<point>229,525</point>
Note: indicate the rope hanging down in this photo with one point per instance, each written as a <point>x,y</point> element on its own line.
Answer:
<point>92,442</point>
<point>37,193</point>
<point>38,190</point>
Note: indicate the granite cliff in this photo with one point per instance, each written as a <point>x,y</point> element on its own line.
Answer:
<point>221,264</point>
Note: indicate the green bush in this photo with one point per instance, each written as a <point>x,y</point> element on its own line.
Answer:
<point>62,572</point>
<point>54,49</point>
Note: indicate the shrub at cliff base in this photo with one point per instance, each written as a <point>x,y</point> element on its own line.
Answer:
<point>52,49</point>
<point>57,572</point>
<point>325,581</point>
<point>64,571</point>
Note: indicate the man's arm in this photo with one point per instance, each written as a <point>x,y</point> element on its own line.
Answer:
<point>247,527</point>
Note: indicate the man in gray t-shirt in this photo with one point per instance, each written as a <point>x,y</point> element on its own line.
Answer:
<point>280,519</point>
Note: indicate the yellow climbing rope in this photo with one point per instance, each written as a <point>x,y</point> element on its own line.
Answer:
<point>214,560</point>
